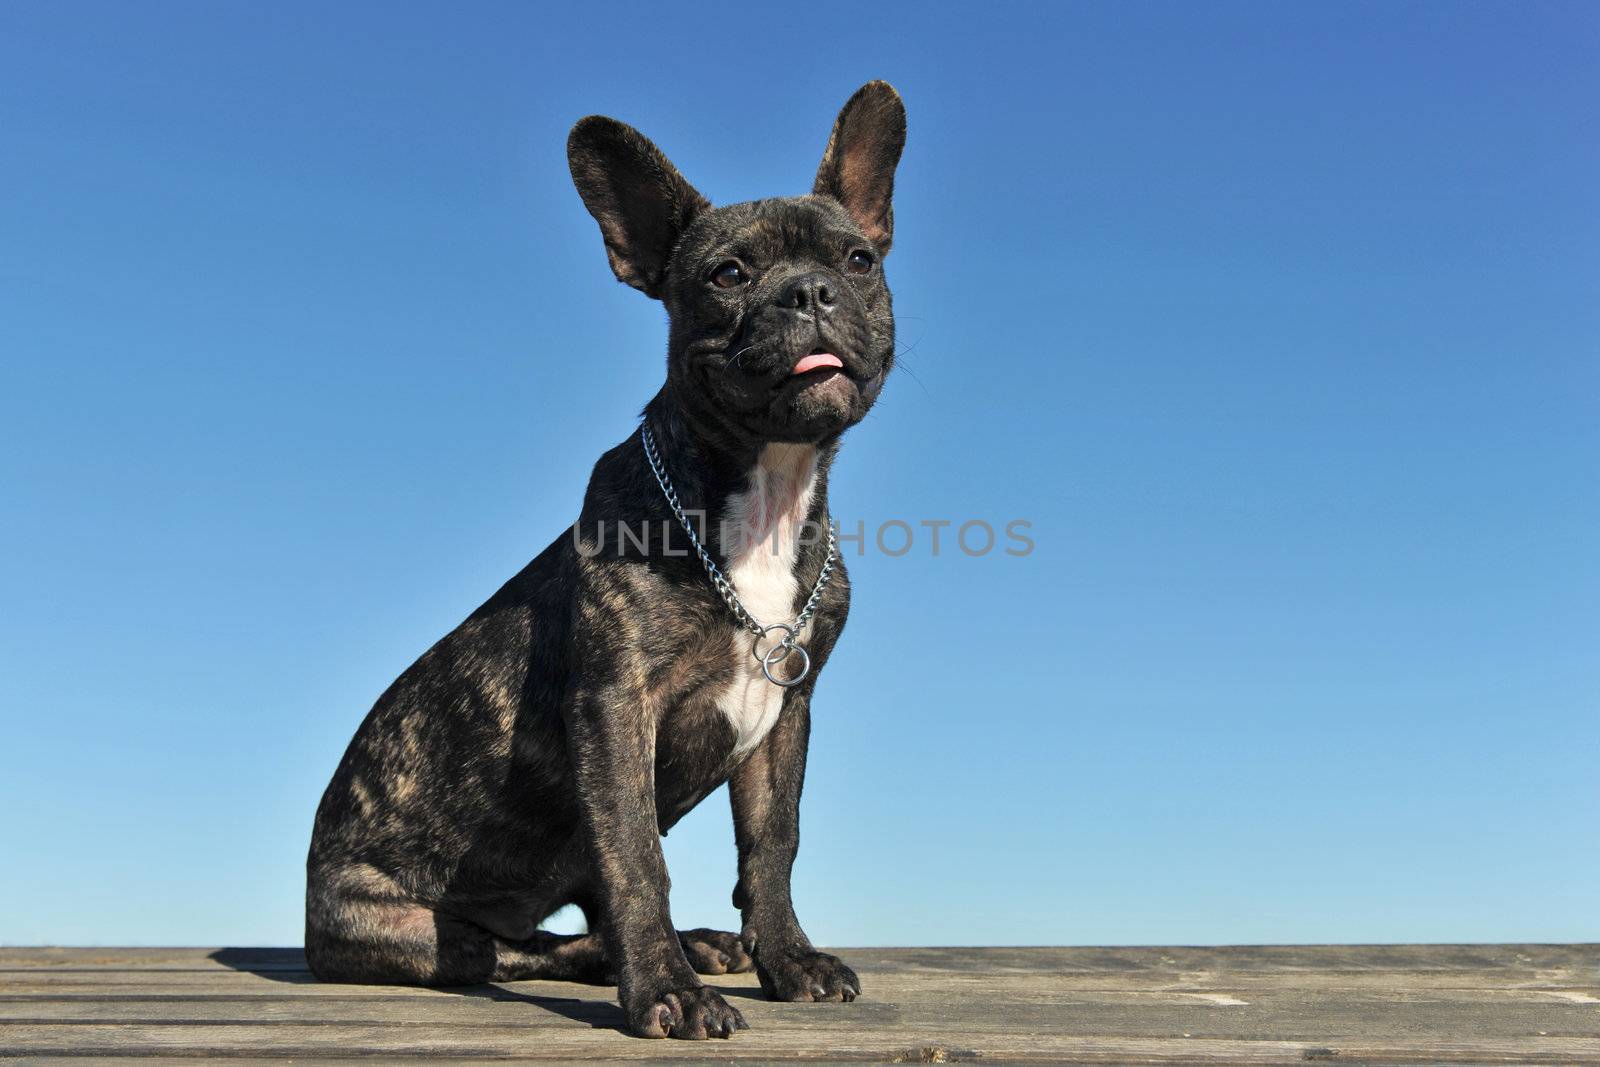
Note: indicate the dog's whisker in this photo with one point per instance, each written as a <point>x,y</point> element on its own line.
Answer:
<point>916,378</point>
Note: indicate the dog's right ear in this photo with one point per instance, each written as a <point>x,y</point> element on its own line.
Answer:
<point>858,165</point>
<point>636,195</point>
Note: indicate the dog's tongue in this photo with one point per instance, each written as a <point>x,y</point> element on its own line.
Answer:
<point>816,360</point>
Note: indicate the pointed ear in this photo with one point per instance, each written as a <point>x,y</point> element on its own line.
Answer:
<point>858,165</point>
<point>636,195</point>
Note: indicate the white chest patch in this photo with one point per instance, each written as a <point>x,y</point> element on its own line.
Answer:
<point>761,538</point>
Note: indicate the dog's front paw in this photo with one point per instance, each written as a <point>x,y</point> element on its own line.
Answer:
<point>686,1010</point>
<point>805,974</point>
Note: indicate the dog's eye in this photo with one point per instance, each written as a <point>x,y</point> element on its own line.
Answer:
<point>729,276</point>
<point>859,262</point>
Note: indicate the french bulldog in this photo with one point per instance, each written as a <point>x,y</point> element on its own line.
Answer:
<point>535,755</point>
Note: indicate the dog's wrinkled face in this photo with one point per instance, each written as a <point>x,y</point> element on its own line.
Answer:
<point>781,321</point>
<point>782,327</point>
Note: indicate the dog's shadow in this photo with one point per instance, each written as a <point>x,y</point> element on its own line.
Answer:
<point>289,965</point>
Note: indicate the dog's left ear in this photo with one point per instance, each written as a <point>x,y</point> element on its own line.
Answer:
<point>636,195</point>
<point>858,165</point>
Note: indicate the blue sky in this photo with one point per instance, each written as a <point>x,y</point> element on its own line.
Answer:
<point>1277,322</point>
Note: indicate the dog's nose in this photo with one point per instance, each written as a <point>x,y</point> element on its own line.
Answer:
<point>809,292</point>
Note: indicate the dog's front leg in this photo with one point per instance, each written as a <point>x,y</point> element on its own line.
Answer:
<point>765,791</point>
<point>611,732</point>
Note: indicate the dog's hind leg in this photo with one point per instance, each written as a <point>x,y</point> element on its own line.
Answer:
<point>715,951</point>
<point>709,951</point>
<point>564,957</point>
<point>409,944</point>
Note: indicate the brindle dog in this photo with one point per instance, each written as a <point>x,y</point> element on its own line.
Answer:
<point>534,756</point>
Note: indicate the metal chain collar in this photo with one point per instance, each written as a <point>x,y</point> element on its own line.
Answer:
<point>789,645</point>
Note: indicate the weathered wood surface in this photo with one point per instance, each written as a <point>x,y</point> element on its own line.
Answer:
<point>1368,1004</point>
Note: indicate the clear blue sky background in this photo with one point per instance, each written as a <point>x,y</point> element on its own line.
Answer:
<point>1279,322</point>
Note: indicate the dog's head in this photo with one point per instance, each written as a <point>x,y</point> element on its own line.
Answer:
<point>782,328</point>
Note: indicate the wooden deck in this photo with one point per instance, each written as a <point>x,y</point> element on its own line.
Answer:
<point>1369,1004</point>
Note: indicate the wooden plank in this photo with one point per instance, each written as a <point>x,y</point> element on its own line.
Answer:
<point>1401,1004</point>
<point>355,1040</point>
<point>1145,968</point>
<point>124,984</point>
<point>1529,959</point>
<point>1283,1015</point>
